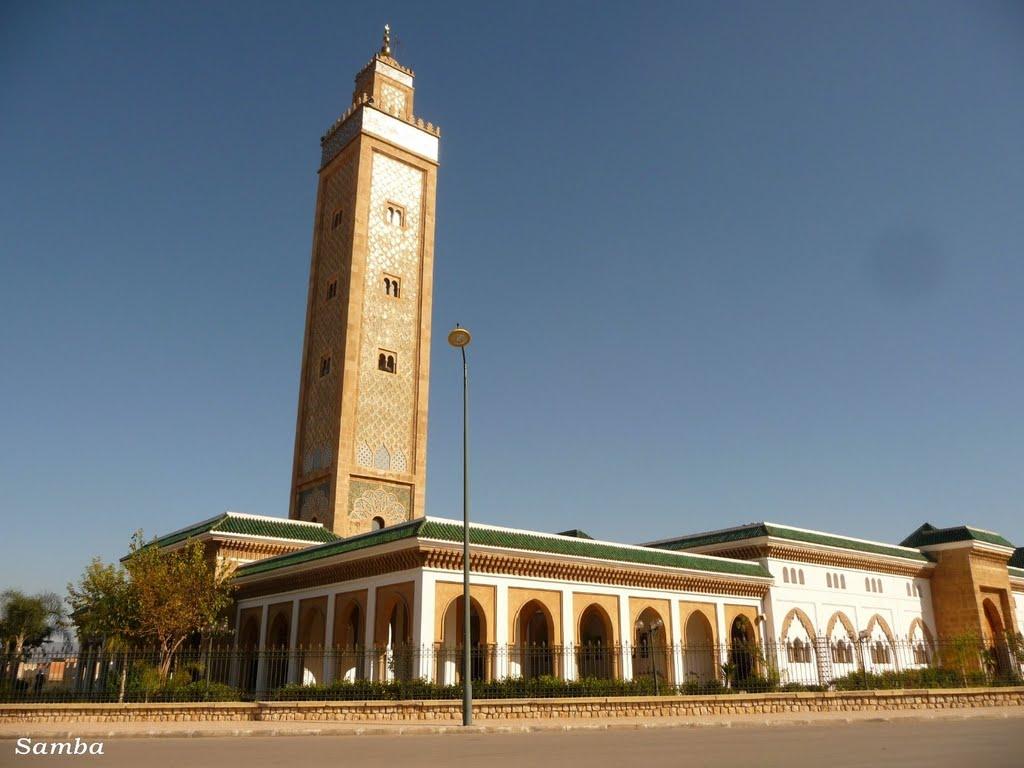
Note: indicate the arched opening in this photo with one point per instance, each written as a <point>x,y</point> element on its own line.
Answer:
<point>349,638</point>
<point>699,656</point>
<point>995,621</point>
<point>880,644</point>
<point>996,639</point>
<point>377,523</point>
<point>535,631</point>
<point>742,649</point>
<point>650,645</point>
<point>453,642</point>
<point>399,643</point>
<point>595,656</point>
<point>278,637</point>
<point>248,645</point>
<point>920,648</point>
<point>312,628</point>
<point>841,638</point>
<point>798,638</point>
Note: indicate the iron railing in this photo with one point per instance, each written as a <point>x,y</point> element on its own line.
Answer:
<point>208,672</point>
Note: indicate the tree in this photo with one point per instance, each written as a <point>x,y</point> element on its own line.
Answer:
<point>160,596</point>
<point>104,611</point>
<point>103,606</point>
<point>27,621</point>
<point>179,593</point>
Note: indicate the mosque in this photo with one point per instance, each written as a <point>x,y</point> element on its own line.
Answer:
<point>358,565</point>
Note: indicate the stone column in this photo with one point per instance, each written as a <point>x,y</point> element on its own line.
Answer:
<point>330,657</point>
<point>723,637</point>
<point>626,637</point>
<point>261,655</point>
<point>293,645</point>
<point>424,599</point>
<point>568,636</point>
<point>370,655</point>
<point>502,669</point>
<point>233,673</point>
<point>677,641</point>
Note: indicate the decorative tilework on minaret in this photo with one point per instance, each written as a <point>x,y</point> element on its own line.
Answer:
<point>360,442</point>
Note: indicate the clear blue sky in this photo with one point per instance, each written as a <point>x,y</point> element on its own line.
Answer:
<point>723,262</point>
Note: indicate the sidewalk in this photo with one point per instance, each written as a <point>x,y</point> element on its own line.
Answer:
<point>317,728</point>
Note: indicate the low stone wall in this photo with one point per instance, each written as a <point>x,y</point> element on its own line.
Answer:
<point>517,709</point>
<point>233,711</point>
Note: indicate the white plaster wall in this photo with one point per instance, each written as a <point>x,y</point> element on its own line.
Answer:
<point>820,602</point>
<point>399,133</point>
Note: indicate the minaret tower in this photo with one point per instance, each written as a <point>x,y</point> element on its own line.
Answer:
<point>361,433</point>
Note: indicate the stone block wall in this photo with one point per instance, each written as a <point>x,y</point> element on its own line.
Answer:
<point>516,709</point>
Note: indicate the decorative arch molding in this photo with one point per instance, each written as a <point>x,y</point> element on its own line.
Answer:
<point>602,614</point>
<point>805,621</point>
<point>843,619</point>
<point>928,637</point>
<point>884,625</point>
<point>524,614</point>
<point>476,607</point>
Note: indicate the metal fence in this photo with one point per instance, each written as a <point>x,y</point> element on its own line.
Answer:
<point>209,673</point>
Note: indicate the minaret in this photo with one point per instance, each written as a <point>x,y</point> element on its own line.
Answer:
<point>361,433</point>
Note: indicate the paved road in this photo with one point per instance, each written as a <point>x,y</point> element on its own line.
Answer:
<point>976,743</point>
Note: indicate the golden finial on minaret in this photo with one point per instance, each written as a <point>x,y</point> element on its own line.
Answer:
<point>385,47</point>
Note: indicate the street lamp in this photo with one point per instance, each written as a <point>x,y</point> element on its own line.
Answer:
<point>649,630</point>
<point>862,640</point>
<point>460,338</point>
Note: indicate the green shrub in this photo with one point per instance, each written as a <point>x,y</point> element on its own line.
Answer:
<point>198,691</point>
<point>702,688</point>
<point>508,688</point>
<point>930,677</point>
<point>802,688</point>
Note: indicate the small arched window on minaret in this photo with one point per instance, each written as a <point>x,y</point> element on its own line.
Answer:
<point>386,361</point>
<point>377,523</point>
<point>395,215</point>
<point>392,286</point>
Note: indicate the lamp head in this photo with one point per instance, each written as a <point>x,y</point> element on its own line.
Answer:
<point>459,337</point>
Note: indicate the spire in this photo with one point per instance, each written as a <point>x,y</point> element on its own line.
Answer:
<point>385,47</point>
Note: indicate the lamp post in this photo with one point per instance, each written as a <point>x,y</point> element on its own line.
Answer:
<point>644,629</point>
<point>460,338</point>
<point>862,639</point>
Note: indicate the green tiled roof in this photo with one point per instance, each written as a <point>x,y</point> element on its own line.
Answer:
<point>928,535</point>
<point>1017,560</point>
<point>336,547</point>
<point>498,537</point>
<point>443,530</point>
<point>1017,572</point>
<point>576,533</point>
<point>760,530</point>
<point>271,527</point>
